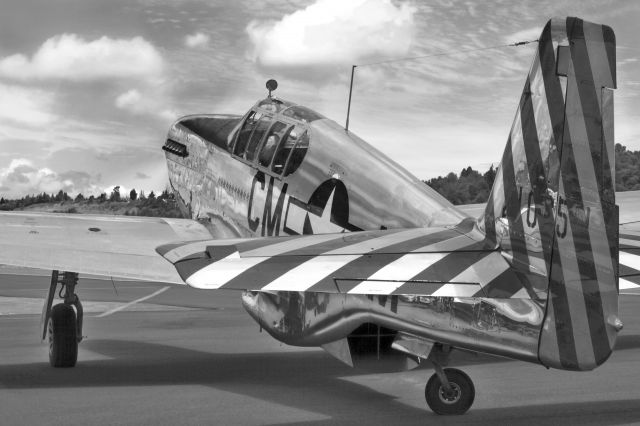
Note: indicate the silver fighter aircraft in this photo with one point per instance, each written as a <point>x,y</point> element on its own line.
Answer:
<point>335,245</point>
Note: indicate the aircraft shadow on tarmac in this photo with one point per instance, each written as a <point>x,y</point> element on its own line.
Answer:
<point>305,380</point>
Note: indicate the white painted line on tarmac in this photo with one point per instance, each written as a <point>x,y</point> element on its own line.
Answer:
<point>133,302</point>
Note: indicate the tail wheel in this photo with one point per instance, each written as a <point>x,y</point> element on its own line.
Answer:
<point>63,338</point>
<point>456,401</point>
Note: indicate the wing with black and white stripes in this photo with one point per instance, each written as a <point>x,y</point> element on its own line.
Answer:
<point>629,258</point>
<point>425,261</point>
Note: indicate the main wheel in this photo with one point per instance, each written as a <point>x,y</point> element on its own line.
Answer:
<point>63,339</point>
<point>458,400</point>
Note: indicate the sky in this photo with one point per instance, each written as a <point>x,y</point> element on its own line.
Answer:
<point>89,88</point>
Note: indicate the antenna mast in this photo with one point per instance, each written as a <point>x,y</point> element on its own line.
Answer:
<point>353,69</point>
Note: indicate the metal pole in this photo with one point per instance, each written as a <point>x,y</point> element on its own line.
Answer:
<point>353,69</point>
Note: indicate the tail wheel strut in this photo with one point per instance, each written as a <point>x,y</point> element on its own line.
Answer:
<point>449,390</point>
<point>456,397</point>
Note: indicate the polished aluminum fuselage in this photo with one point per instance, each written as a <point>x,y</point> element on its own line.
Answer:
<point>233,196</point>
<point>233,193</point>
<point>506,327</point>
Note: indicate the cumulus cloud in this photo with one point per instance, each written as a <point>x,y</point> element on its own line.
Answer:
<point>197,40</point>
<point>23,177</point>
<point>140,175</point>
<point>331,32</point>
<point>70,57</point>
<point>135,102</point>
<point>26,105</point>
<point>129,100</point>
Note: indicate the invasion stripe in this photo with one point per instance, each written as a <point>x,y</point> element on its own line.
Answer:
<point>481,272</point>
<point>630,237</point>
<point>539,124</point>
<point>521,184</point>
<point>506,285</point>
<point>583,271</point>
<point>367,265</point>
<point>553,89</point>
<point>544,223</point>
<point>559,297</point>
<point>588,163</point>
<point>559,332</point>
<point>419,288</point>
<point>399,271</point>
<point>457,289</point>
<point>356,240</point>
<point>579,274</point>
<point>609,39</point>
<point>313,270</point>
<point>449,267</point>
<point>595,46</point>
<point>589,97</point>
<point>495,206</point>
<point>635,278</point>
<point>181,251</point>
<point>220,273</point>
<point>247,245</point>
<point>575,181</point>
<point>608,139</point>
<point>630,248</point>
<point>189,265</point>
<point>629,260</point>
<point>516,233</point>
<point>408,266</point>
<point>542,117</point>
<point>587,54</point>
<point>629,283</point>
<point>626,271</point>
<point>490,217</point>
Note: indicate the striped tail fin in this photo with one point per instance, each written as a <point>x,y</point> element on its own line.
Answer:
<point>552,207</point>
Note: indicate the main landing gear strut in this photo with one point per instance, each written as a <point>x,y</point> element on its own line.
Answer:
<point>449,390</point>
<point>62,323</point>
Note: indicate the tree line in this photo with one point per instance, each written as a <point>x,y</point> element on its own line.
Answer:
<point>472,187</point>
<point>132,204</point>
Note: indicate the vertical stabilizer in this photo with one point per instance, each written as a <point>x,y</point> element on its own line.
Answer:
<point>552,208</point>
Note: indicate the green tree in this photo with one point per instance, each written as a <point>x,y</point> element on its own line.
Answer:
<point>115,194</point>
<point>490,176</point>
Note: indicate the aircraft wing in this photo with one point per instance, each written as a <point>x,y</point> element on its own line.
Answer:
<point>629,233</point>
<point>117,246</point>
<point>629,257</point>
<point>423,261</point>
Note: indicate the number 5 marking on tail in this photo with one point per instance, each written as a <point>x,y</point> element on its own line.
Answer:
<point>562,214</point>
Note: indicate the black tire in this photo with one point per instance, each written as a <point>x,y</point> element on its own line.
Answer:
<point>459,401</point>
<point>62,335</point>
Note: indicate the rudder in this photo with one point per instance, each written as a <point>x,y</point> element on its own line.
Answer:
<point>552,208</point>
